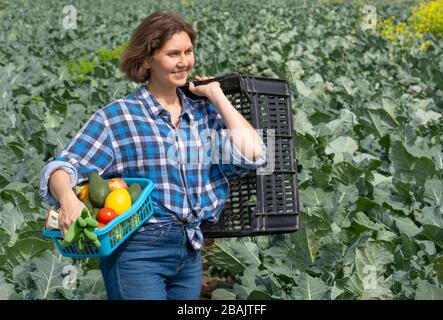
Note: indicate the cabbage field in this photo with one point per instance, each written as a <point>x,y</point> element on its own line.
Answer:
<point>367,95</point>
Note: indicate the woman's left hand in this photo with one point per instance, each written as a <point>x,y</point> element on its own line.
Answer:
<point>204,90</point>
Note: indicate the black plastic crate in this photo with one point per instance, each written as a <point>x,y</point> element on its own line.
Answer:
<point>260,204</point>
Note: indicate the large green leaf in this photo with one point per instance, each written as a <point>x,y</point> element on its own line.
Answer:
<point>433,194</point>
<point>11,220</point>
<point>223,294</point>
<point>438,268</point>
<point>381,215</point>
<point>259,295</point>
<point>310,288</point>
<point>428,291</point>
<point>347,173</point>
<point>316,197</point>
<point>431,216</point>
<point>340,147</point>
<point>401,160</point>
<point>308,240</point>
<point>404,252</point>
<point>6,289</point>
<point>423,117</point>
<point>422,169</point>
<point>434,234</point>
<point>48,275</point>
<point>303,89</point>
<point>437,157</point>
<point>92,286</point>
<point>22,252</point>
<point>343,124</point>
<point>233,256</point>
<point>302,124</point>
<point>368,281</point>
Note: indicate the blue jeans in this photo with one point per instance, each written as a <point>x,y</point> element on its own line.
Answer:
<point>156,263</point>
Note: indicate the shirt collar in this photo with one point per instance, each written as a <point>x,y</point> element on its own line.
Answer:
<point>155,108</point>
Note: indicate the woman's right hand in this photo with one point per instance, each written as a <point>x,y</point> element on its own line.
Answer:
<point>70,209</point>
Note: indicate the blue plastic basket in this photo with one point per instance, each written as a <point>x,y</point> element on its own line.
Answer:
<point>116,231</point>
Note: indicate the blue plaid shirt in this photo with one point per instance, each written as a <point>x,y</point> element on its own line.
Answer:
<point>134,137</point>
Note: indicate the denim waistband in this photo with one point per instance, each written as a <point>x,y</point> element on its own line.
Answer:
<point>173,223</point>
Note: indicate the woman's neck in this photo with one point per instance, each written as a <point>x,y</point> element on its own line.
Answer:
<point>166,96</point>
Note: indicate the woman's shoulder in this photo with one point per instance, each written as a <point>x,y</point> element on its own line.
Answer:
<point>195,102</point>
<point>202,105</point>
<point>121,108</point>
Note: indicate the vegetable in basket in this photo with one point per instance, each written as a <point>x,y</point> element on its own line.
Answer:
<point>79,232</point>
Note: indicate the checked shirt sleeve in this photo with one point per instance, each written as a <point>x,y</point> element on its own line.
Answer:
<point>90,150</point>
<point>238,165</point>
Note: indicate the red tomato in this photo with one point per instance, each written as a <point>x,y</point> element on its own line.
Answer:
<point>105,215</point>
<point>101,225</point>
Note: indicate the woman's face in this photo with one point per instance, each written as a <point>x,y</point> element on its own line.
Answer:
<point>177,54</point>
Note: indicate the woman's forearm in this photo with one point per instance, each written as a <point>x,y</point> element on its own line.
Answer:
<point>60,185</point>
<point>244,136</point>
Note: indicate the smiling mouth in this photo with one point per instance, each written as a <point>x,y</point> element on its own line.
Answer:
<point>179,73</point>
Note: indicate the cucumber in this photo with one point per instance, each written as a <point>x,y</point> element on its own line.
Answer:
<point>81,244</point>
<point>64,244</point>
<point>85,213</point>
<point>91,222</point>
<point>97,243</point>
<point>73,230</point>
<point>95,212</point>
<point>82,222</point>
<point>90,235</point>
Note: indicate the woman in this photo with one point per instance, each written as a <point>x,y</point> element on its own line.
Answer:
<point>134,137</point>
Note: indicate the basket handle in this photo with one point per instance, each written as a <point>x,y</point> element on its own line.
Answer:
<point>227,82</point>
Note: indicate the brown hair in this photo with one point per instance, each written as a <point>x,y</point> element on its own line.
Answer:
<point>149,36</point>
